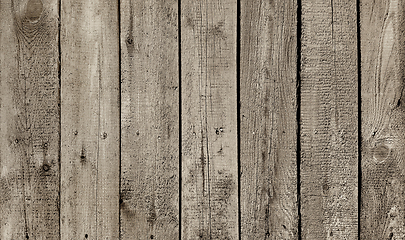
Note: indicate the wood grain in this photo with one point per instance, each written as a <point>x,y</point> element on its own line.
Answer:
<point>382,108</point>
<point>90,120</point>
<point>83,156</point>
<point>329,126</point>
<point>269,208</point>
<point>150,120</point>
<point>209,120</point>
<point>29,120</point>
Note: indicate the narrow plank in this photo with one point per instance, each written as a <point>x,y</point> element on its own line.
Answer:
<point>90,120</point>
<point>382,117</point>
<point>150,120</point>
<point>268,156</point>
<point>29,119</point>
<point>209,120</point>
<point>329,120</point>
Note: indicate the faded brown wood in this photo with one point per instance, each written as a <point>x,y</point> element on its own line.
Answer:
<point>29,120</point>
<point>268,155</point>
<point>90,120</point>
<point>382,107</point>
<point>60,149</point>
<point>150,120</point>
<point>329,126</point>
<point>209,120</point>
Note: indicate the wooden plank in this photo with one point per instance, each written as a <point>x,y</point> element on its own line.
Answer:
<point>209,120</point>
<point>29,120</point>
<point>269,208</point>
<point>382,113</point>
<point>329,120</point>
<point>150,120</point>
<point>90,120</point>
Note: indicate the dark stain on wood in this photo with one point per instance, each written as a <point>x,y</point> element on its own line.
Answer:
<point>5,190</point>
<point>223,187</point>
<point>152,213</point>
<point>130,32</point>
<point>325,188</point>
<point>83,155</point>
<point>125,206</point>
<point>190,22</point>
<point>218,30</point>
<point>203,234</point>
<point>128,211</point>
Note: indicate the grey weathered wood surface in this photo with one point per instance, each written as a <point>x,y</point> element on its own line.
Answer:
<point>90,120</point>
<point>150,120</point>
<point>29,120</point>
<point>382,109</point>
<point>119,119</point>
<point>329,134</point>
<point>209,120</point>
<point>268,155</point>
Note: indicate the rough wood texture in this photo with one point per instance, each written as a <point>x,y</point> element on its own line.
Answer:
<point>90,120</point>
<point>329,126</point>
<point>29,120</point>
<point>61,124</point>
<point>209,120</point>
<point>383,140</point>
<point>150,120</point>
<point>268,134</point>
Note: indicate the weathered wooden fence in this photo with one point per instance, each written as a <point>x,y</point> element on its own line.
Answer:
<point>186,119</point>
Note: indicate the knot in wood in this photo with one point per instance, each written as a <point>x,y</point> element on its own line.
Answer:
<point>34,10</point>
<point>104,135</point>
<point>46,167</point>
<point>380,153</point>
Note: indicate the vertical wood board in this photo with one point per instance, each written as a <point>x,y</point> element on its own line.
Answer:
<point>150,120</point>
<point>382,210</point>
<point>29,120</point>
<point>209,120</point>
<point>268,136</point>
<point>90,120</point>
<point>329,120</point>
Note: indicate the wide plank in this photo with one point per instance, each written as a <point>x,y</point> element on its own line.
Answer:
<point>329,120</point>
<point>382,210</point>
<point>268,136</point>
<point>29,119</point>
<point>90,116</point>
<point>150,120</point>
<point>209,120</point>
